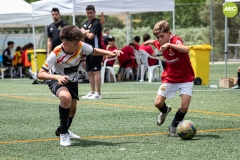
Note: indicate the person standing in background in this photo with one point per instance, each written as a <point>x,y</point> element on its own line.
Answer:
<point>54,30</point>
<point>92,29</point>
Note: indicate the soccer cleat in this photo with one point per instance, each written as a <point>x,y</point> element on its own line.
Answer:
<point>162,116</point>
<point>65,139</point>
<point>88,95</point>
<point>73,136</point>
<point>95,96</point>
<point>173,131</point>
<point>236,87</point>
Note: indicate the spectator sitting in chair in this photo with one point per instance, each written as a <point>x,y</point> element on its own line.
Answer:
<point>136,41</point>
<point>110,47</point>
<point>26,57</point>
<point>17,58</point>
<point>7,61</point>
<point>148,48</point>
<point>127,59</point>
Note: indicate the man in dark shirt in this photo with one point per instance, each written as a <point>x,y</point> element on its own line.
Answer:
<point>92,30</point>
<point>54,30</point>
<point>6,56</point>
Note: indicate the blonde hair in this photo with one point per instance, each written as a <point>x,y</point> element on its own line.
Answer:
<point>161,27</point>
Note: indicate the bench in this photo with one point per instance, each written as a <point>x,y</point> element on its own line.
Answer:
<point>11,69</point>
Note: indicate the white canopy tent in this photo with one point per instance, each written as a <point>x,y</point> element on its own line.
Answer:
<point>226,39</point>
<point>109,7</point>
<point>18,13</point>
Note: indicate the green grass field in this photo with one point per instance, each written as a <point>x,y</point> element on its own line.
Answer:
<point>120,126</point>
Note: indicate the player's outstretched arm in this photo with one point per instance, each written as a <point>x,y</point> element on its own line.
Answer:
<point>102,52</point>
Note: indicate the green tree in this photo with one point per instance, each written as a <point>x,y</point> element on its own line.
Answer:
<point>185,15</point>
<point>110,22</point>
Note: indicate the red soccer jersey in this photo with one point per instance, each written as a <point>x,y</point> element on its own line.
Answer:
<point>136,46</point>
<point>128,53</point>
<point>178,66</point>
<point>149,50</point>
<point>111,63</point>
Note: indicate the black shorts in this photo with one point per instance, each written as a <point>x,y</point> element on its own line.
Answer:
<point>93,63</point>
<point>71,86</point>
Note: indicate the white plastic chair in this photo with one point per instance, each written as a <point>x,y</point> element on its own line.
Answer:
<point>109,70</point>
<point>139,62</point>
<point>2,70</point>
<point>151,69</point>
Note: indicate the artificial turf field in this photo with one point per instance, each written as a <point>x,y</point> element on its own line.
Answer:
<point>120,126</point>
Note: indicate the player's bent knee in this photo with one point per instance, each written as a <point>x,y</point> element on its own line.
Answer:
<point>158,104</point>
<point>65,102</point>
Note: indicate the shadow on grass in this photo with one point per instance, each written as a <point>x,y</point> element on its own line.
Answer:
<point>89,143</point>
<point>199,137</point>
<point>207,136</point>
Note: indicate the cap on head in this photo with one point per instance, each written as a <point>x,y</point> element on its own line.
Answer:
<point>111,38</point>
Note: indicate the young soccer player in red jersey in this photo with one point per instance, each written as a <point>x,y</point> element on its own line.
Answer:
<point>61,67</point>
<point>178,74</point>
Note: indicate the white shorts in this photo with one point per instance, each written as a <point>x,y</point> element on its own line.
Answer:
<point>169,89</point>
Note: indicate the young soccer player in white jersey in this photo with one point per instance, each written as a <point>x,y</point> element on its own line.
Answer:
<point>178,74</point>
<point>61,67</point>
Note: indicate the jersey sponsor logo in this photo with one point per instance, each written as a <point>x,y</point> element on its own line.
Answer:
<point>173,60</point>
<point>171,53</point>
<point>163,88</point>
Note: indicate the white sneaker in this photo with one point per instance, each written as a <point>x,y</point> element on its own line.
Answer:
<point>73,136</point>
<point>88,95</point>
<point>65,139</point>
<point>95,96</point>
